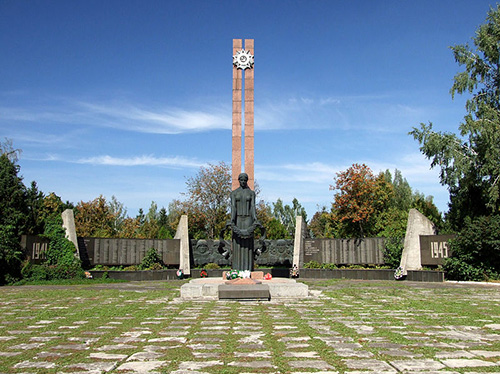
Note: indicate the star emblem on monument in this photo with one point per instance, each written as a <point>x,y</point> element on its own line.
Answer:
<point>243,60</point>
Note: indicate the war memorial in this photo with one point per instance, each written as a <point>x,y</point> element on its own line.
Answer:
<point>305,324</point>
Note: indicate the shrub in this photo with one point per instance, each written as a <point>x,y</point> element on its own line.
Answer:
<point>51,272</point>
<point>131,268</point>
<point>329,266</point>
<point>312,265</point>
<point>152,258</point>
<point>475,251</point>
<point>212,266</point>
<point>393,251</point>
<point>100,267</point>
<point>61,251</point>
<point>155,266</point>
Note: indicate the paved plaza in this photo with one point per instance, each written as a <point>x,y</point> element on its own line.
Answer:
<point>344,327</point>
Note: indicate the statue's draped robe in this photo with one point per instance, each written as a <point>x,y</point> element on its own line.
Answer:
<point>243,217</point>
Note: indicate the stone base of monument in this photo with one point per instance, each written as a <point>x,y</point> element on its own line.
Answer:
<point>217,288</point>
<point>244,289</point>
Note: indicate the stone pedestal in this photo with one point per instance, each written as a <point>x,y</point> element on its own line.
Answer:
<point>209,289</point>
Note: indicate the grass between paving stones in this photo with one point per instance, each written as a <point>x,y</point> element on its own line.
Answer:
<point>421,309</point>
<point>325,352</point>
<point>69,314</point>
<point>44,312</point>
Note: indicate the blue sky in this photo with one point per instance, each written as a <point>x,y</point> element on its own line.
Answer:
<point>129,98</point>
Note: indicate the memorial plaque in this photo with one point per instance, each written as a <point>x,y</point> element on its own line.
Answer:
<point>34,248</point>
<point>312,250</point>
<point>344,251</point>
<point>434,249</point>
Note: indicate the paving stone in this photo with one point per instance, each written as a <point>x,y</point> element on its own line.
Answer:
<point>467,363</point>
<point>108,356</point>
<point>204,346</point>
<point>308,354</point>
<point>206,354</point>
<point>141,366</point>
<point>145,356</point>
<point>373,365</point>
<point>252,364</point>
<point>317,372</point>
<point>168,339</point>
<point>297,345</point>
<point>454,354</point>
<point>114,347</point>
<point>487,354</point>
<point>154,348</point>
<point>7,338</point>
<point>42,338</point>
<point>94,366</point>
<point>399,353</point>
<point>295,339</point>
<point>51,355</point>
<point>125,340</point>
<point>417,365</point>
<point>312,364</point>
<point>196,365</point>
<point>174,332</point>
<point>253,354</point>
<point>71,347</point>
<point>136,334</point>
<point>26,346</point>
<point>34,365</point>
<point>9,354</point>
<point>346,352</point>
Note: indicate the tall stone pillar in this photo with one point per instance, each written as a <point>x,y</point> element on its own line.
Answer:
<point>243,67</point>
<point>237,117</point>
<point>249,124</point>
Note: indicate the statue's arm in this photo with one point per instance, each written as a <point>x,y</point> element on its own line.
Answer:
<point>253,211</point>
<point>233,208</point>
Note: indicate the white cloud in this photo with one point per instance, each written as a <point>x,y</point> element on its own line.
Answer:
<point>176,162</point>
<point>120,115</point>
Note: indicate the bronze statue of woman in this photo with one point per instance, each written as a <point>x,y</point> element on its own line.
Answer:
<point>243,223</point>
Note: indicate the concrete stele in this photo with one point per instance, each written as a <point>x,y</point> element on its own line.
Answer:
<point>418,224</point>
<point>182,234</point>
<point>298,244</point>
<point>69,225</point>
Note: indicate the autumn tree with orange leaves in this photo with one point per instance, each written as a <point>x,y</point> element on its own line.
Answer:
<point>360,197</point>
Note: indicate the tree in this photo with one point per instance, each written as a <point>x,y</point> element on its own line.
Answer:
<point>13,214</point>
<point>207,203</point>
<point>118,210</point>
<point>469,162</point>
<point>322,224</point>
<point>286,215</point>
<point>6,148</point>
<point>95,219</point>
<point>360,197</point>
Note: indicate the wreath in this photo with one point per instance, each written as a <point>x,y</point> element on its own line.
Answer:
<point>399,273</point>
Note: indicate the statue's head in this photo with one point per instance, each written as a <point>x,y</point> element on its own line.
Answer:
<point>243,179</point>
